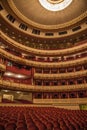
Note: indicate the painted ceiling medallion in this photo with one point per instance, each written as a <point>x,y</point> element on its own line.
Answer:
<point>55,5</point>
<point>55,1</point>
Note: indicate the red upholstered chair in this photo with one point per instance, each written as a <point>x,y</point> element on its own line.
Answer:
<point>4,121</point>
<point>10,126</point>
<point>33,128</point>
<point>2,127</point>
<point>57,128</point>
<point>21,128</point>
<point>64,127</point>
<point>49,126</point>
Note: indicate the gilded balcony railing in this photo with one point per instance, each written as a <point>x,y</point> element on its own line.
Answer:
<point>24,87</point>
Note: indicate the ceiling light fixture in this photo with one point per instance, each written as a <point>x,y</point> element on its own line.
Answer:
<point>55,5</point>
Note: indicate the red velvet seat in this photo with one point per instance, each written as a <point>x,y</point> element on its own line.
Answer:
<point>2,127</point>
<point>21,128</point>
<point>33,128</point>
<point>10,126</point>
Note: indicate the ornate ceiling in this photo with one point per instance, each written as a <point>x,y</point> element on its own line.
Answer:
<point>45,29</point>
<point>33,12</point>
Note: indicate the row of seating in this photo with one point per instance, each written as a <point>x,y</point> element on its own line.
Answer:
<point>41,118</point>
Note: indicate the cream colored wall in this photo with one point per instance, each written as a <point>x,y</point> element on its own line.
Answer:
<point>16,95</point>
<point>8,96</point>
<point>27,96</point>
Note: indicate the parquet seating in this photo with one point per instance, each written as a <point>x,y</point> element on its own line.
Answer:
<point>41,118</point>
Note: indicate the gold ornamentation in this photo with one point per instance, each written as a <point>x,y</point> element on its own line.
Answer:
<point>19,86</point>
<point>43,52</point>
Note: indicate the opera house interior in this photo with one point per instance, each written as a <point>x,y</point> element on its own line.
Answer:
<point>43,64</point>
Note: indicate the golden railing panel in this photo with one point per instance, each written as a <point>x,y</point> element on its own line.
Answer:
<point>60,76</point>
<point>24,87</point>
